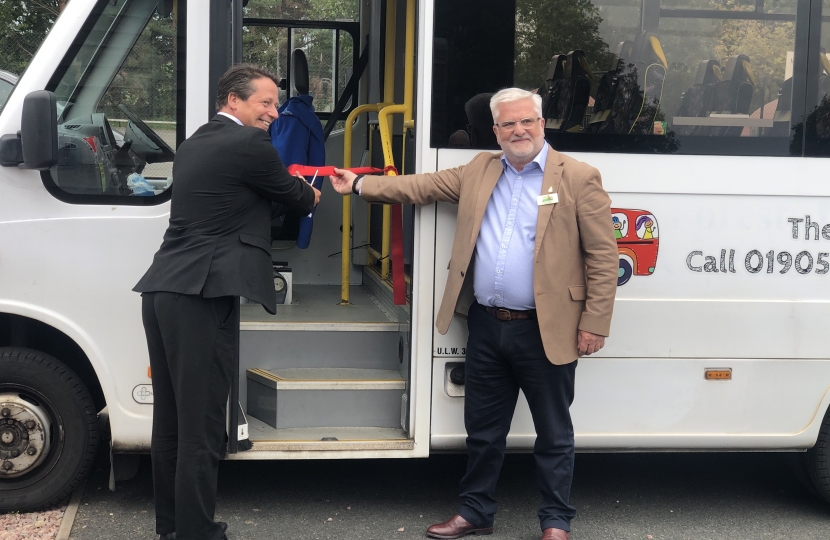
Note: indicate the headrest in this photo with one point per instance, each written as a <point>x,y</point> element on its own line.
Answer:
<point>299,72</point>
<point>577,65</point>
<point>736,68</point>
<point>748,70</point>
<point>625,51</point>
<point>825,62</point>
<point>647,50</point>
<point>657,51</point>
<point>708,72</point>
<point>556,67</point>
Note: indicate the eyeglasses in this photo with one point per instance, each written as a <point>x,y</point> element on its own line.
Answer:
<point>511,125</point>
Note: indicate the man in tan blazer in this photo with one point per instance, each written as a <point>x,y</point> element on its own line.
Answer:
<point>534,270</point>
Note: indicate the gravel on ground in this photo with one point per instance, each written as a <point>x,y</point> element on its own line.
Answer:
<point>31,525</point>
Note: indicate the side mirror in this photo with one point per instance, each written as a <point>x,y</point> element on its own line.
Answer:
<point>39,131</point>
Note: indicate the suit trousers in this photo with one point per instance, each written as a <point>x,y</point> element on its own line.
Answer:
<point>191,341</point>
<point>502,358</point>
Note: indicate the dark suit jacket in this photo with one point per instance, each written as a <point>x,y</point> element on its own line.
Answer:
<point>218,242</point>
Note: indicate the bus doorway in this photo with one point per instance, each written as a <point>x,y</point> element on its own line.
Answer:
<point>331,370</point>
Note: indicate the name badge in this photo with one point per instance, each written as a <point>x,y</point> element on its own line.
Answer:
<point>550,198</point>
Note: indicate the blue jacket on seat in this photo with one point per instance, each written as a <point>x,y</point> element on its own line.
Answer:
<point>298,137</point>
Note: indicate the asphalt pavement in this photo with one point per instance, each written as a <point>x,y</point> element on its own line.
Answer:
<point>618,496</point>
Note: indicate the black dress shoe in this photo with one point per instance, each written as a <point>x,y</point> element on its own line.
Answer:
<point>172,536</point>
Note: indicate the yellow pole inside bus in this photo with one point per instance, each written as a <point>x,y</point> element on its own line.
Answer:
<point>408,77</point>
<point>345,236</point>
<point>386,125</point>
<point>409,67</point>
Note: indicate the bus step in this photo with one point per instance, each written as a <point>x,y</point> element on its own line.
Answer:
<point>325,397</point>
<point>319,439</point>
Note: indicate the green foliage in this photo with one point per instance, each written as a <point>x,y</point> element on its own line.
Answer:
<point>766,44</point>
<point>146,83</point>
<point>25,24</point>
<point>690,41</point>
<point>269,46</point>
<point>548,27</point>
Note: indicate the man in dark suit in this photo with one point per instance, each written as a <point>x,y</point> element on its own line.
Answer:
<point>216,248</point>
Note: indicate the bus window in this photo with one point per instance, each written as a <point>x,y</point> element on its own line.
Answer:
<point>620,222</point>
<point>329,52</point>
<point>664,76</point>
<point>267,46</point>
<point>342,10</point>
<point>817,125</point>
<point>326,33</point>
<point>646,227</point>
<point>117,92</point>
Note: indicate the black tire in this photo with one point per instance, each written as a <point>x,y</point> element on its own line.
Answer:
<point>818,460</point>
<point>625,273</point>
<point>59,392</point>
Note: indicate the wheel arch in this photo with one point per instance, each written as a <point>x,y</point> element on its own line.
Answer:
<point>628,253</point>
<point>18,330</point>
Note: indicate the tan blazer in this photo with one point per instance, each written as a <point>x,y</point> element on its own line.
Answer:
<point>576,260</point>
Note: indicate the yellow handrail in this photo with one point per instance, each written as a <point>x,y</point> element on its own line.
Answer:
<point>345,236</point>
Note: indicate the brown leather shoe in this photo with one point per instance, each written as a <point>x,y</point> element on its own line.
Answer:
<point>456,527</point>
<point>555,534</point>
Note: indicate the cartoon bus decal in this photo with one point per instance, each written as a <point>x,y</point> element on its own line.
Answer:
<point>637,241</point>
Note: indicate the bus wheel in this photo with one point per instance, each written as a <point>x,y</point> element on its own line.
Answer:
<point>624,273</point>
<point>48,430</point>
<point>818,460</point>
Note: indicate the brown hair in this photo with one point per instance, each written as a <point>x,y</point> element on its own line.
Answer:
<point>238,80</point>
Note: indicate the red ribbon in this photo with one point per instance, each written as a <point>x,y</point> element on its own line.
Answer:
<point>328,170</point>
<point>398,281</point>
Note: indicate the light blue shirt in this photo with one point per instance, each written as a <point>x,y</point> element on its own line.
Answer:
<point>503,275</point>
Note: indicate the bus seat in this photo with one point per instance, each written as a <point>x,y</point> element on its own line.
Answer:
<point>606,89</point>
<point>825,62</point>
<point>299,72</point>
<point>567,91</point>
<point>783,111</point>
<point>652,65</point>
<point>578,90</point>
<point>625,51</point>
<point>734,94</point>
<point>288,225</point>
<point>696,100</point>
<point>782,120</point>
<point>551,90</point>
<point>639,87</point>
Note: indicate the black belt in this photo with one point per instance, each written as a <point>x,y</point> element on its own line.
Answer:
<point>503,314</point>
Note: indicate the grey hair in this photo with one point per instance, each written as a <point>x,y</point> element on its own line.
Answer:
<point>514,94</point>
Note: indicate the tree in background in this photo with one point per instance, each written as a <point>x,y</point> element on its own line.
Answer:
<point>548,27</point>
<point>766,43</point>
<point>146,82</point>
<point>687,42</point>
<point>25,24</point>
<point>269,46</point>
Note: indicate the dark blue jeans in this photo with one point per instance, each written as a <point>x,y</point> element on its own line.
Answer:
<point>502,358</point>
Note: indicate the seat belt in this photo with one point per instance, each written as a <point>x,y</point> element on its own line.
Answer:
<point>348,92</point>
